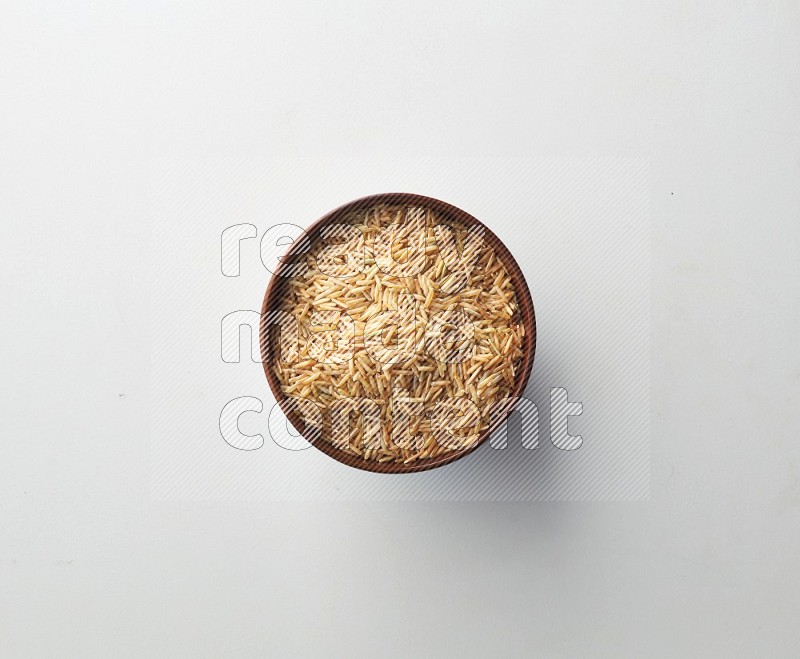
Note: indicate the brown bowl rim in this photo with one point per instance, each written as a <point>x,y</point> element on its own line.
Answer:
<point>527,316</point>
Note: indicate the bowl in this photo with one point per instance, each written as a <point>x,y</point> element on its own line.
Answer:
<point>278,282</point>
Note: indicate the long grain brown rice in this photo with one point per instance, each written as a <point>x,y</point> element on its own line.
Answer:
<point>408,333</point>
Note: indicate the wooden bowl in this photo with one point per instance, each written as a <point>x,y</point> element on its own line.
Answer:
<point>275,291</point>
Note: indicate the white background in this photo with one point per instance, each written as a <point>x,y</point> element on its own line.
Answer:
<point>90,93</point>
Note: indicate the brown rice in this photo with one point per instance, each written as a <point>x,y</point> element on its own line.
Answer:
<point>408,333</point>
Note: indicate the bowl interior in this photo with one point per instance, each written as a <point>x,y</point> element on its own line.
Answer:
<point>277,286</point>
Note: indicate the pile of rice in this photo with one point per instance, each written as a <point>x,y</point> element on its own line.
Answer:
<point>431,348</point>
